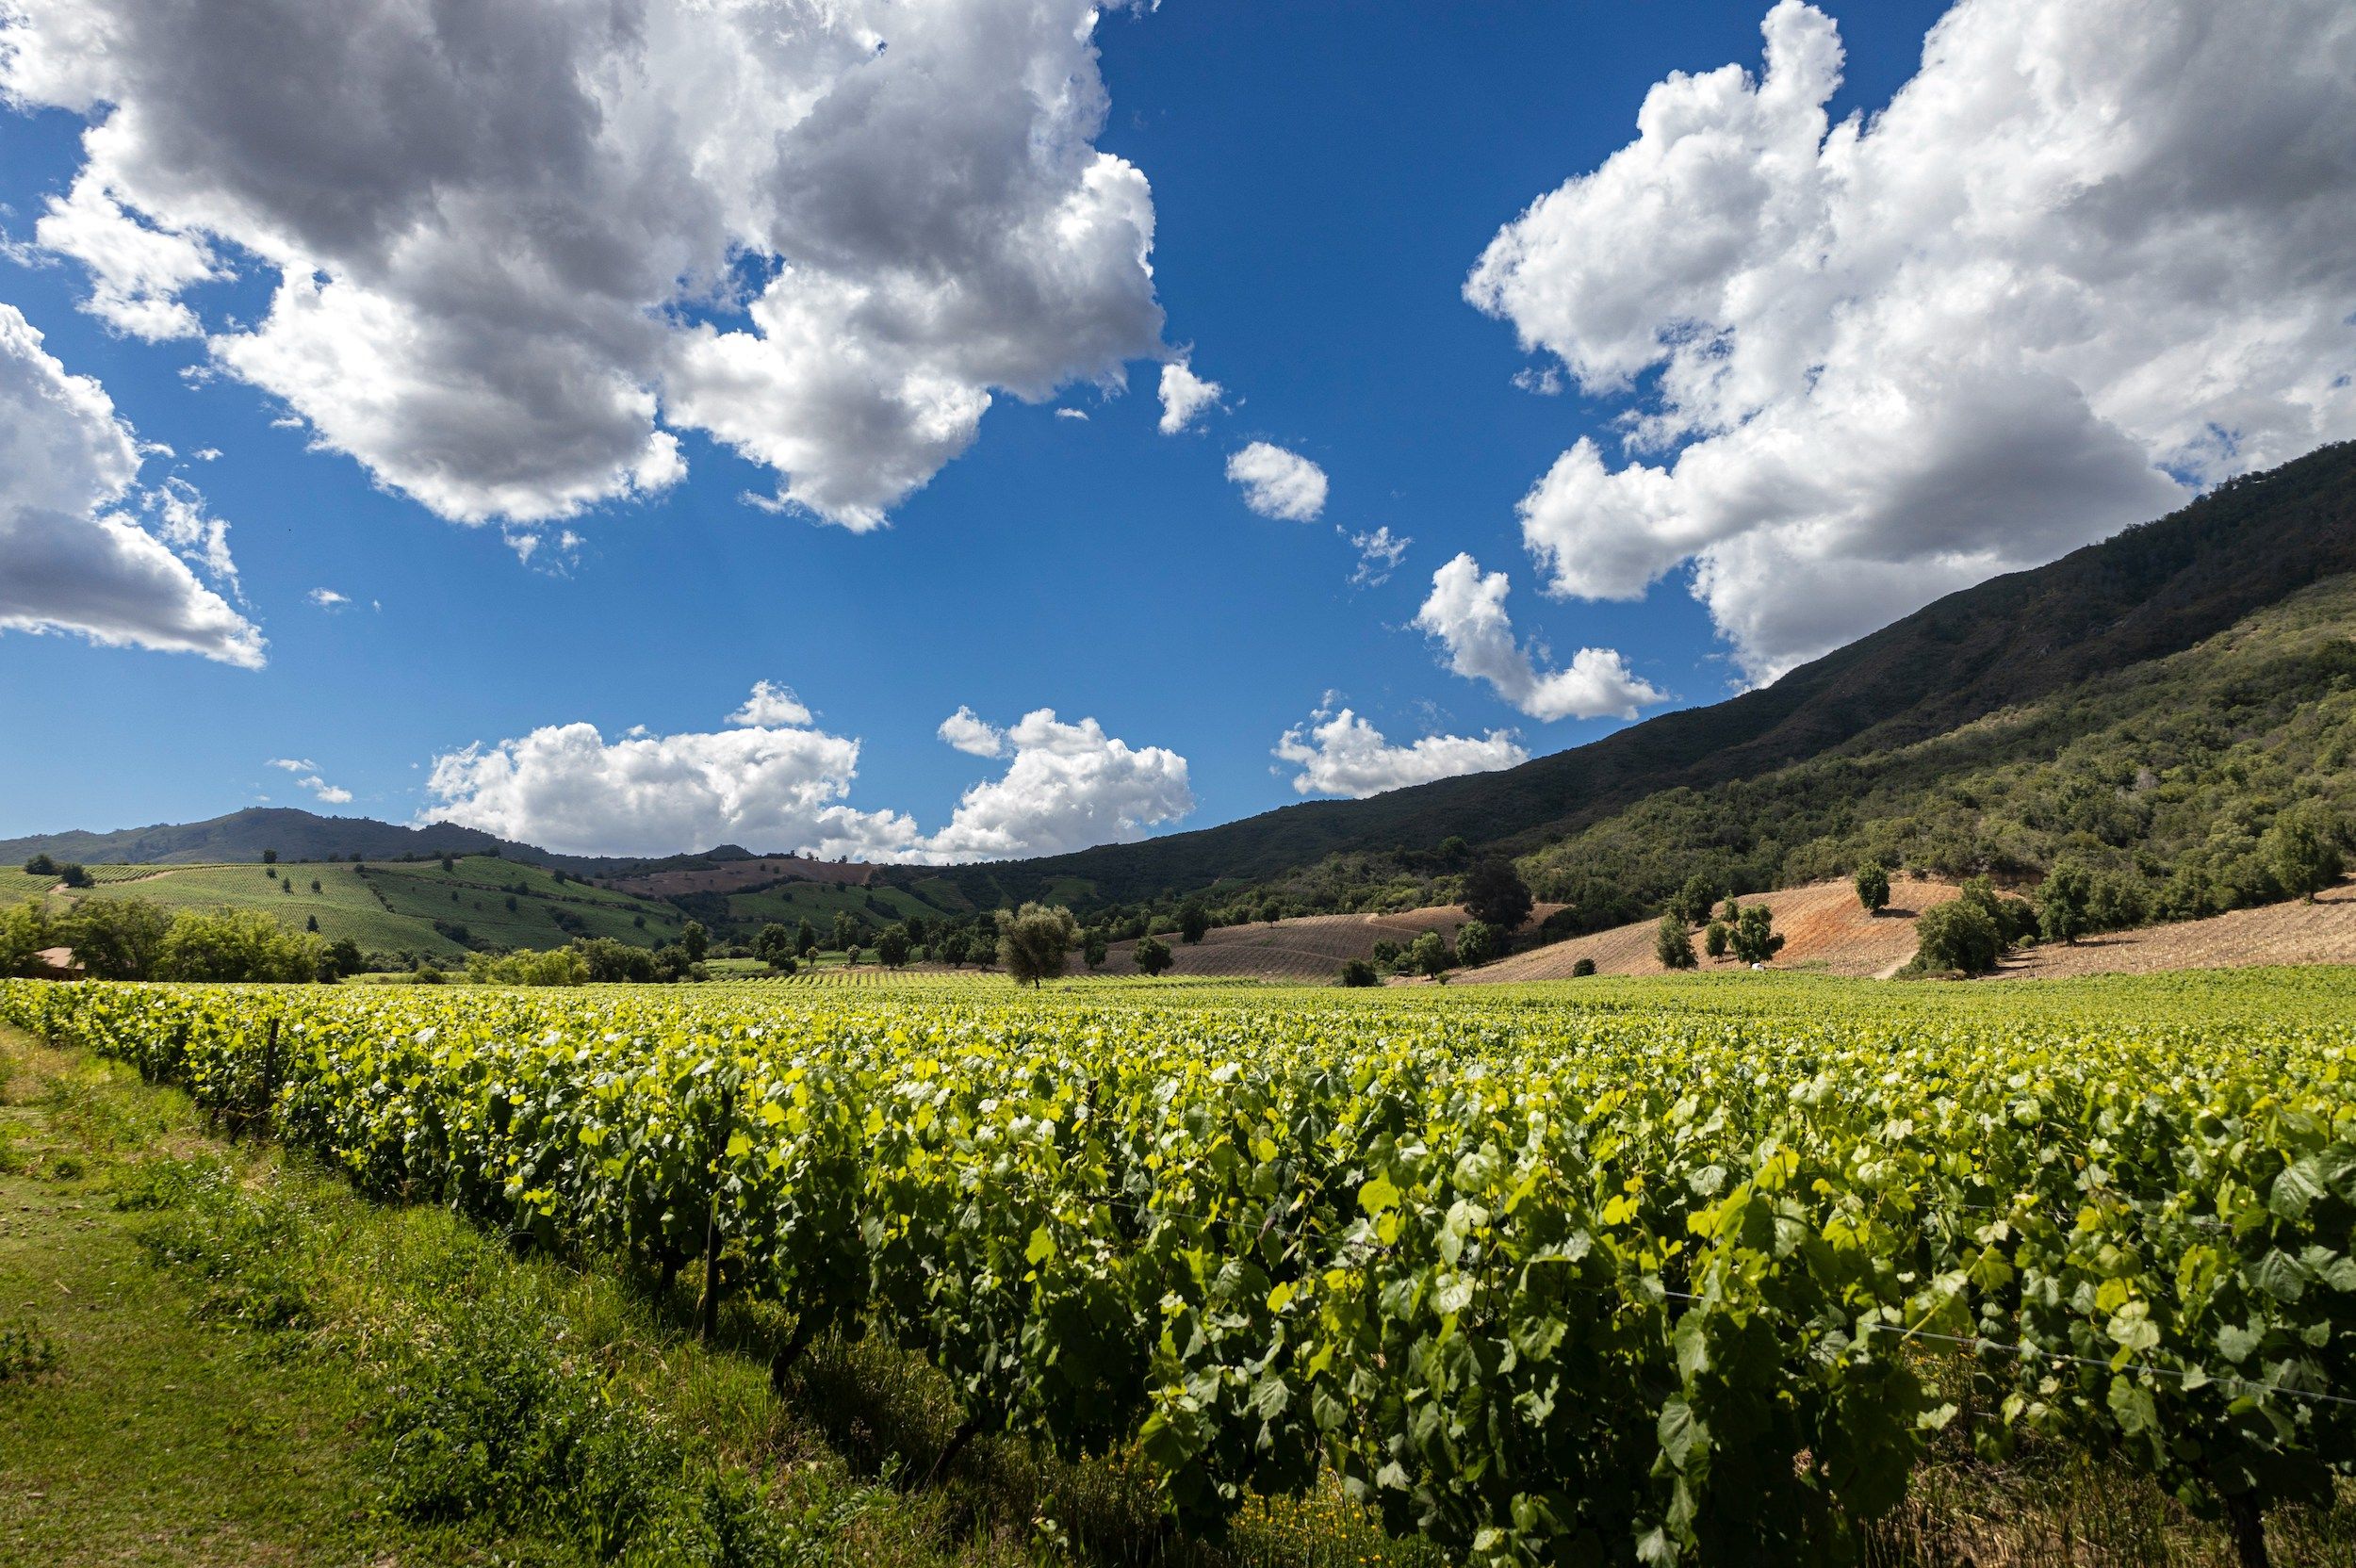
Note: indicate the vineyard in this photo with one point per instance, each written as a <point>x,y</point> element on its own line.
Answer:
<point>1659,1273</point>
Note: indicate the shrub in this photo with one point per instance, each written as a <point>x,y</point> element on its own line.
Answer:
<point>1957,936</point>
<point>228,946</point>
<point>1754,936</point>
<point>2065,900</point>
<point>1478,942</point>
<point>1583,968</point>
<point>1716,939</point>
<point>1428,954</point>
<point>1671,944</point>
<point>1358,973</point>
<point>2304,847</point>
<point>1194,922</point>
<point>1873,886</point>
<point>562,966</point>
<point>1152,956</point>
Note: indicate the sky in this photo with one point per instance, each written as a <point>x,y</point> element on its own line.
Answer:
<point>984,427</point>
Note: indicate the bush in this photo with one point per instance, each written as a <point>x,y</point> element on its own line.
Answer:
<point>40,865</point>
<point>1358,973</point>
<point>1716,939</point>
<point>1957,936</point>
<point>228,946</point>
<point>2065,901</point>
<point>1194,922</point>
<point>1478,942</point>
<point>1583,968</point>
<point>562,966</point>
<point>1428,954</point>
<point>1873,886</point>
<point>2304,847</point>
<point>1671,944</point>
<point>1152,956</point>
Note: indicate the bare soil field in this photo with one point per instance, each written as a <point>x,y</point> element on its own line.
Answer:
<point>2323,931</point>
<point>1821,925</point>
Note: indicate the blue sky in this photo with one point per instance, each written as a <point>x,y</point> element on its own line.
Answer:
<point>1323,179</point>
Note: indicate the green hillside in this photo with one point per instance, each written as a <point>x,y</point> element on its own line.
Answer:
<point>408,907</point>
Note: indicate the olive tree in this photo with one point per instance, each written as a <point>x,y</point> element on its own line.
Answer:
<point>1034,941</point>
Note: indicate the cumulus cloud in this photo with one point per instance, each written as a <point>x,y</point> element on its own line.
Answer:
<point>1340,754</point>
<point>327,598</point>
<point>522,243</point>
<point>1185,396</point>
<point>771,706</point>
<point>970,733</point>
<point>783,785</point>
<point>1068,786</point>
<point>1378,555</point>
<point>1466,612</point>
<point>331,795</point>
<point>84,548</point>
<point>1278,483</point>
<point>2077,268</point>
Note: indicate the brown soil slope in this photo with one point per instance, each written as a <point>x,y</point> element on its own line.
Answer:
<point>1311,947</point>
<point>2323,931</point>
<point>1821,925</point>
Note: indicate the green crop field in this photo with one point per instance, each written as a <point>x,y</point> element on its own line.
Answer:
<point>818,903</point>
<point>1713,1270</point>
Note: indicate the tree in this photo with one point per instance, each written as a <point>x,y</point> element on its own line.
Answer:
<point>2063,900</point>
<point>1754,937</point>
<point>696,940</point>
<point>23,931</point>
<point>1358,973</point>
<point>116,938</point>
<point>1671,944</point>
<point>1428,954</point>
<point>1454,849</point>
<point>342,957</point>
<point>311,923</point>
<point>1873,886</point>
<point>73,875</point>
<point>1096,949</point>
<point>1957,936</point>
<point>40,865</point>
<point>1478,942</point>
<point>2305,847</point>
<point>227,946</point>
<point>892,946</point>
<point>1035,943</point>
<point>1385,955</point>
<point>850,956</point>
<point>954,945</point>
<point>772,942</point>
<point>1193,921</point>
<point>315,886</point>
<point>1693,902</point>
<point>270,856</point>
<point>449,862</point>
<point>1152,956</point>
<point>805,938</point>
<point>1716,939</point>
<point>846,931</point>
<point>1495,894</point>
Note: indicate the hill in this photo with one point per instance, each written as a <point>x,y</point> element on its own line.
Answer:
<point>295,835</point>
<point>2147,593</point>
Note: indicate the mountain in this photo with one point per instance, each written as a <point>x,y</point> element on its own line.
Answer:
<point>295,835</point>
<point>2159,651</point>
<point>2152,591</point>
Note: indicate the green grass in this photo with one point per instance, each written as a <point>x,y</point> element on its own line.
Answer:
<point>818,903</point>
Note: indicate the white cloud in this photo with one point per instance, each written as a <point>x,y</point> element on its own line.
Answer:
<point>521,243</point>
<point>206,454</point>
<point>969,733</point>
<point>1467,612</point>
<point>2090,255</point>
<point>1340,754</point>
<point>1185,396</point>
<point>1079,414</point>
<point>73,555</point>
<point>1278,483</point>
<point>1378,555</point>
<point>782,786</point>
<point>1068,786</point>
<point>1540,381</point>
<point>566,787</point>
<point>770,707</point>
<point>320,789</point>
<point>327,598</point>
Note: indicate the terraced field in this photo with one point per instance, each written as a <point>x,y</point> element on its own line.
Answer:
<point>1310,948</point>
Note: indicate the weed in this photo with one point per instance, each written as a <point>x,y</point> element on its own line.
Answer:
<point>248,1247</point>
<point>25,1353</point>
